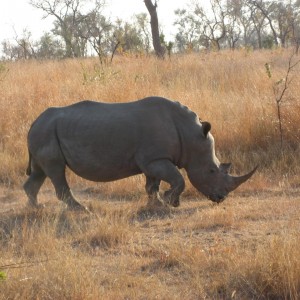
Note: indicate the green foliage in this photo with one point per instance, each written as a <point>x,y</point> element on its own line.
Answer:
<point>268,69</point>
<point>162,38</point>
<point>268,42</point>
<point>49,47</point>
<point>169,47</point>
<point>2,276</point>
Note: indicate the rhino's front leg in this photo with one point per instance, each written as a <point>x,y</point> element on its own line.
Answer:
<point>165,170</point>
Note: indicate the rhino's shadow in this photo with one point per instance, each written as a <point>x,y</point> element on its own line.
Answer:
<point>148,212</point>
<point>162,212</point>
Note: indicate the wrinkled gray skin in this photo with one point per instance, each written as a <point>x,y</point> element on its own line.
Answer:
<point>106,142</point>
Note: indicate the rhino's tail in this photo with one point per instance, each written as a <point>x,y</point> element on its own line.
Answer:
<point>28,170</point>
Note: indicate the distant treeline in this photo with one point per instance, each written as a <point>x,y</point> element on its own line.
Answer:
<point>81,32</point>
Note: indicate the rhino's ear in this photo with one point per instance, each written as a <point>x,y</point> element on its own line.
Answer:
<point>206,127</point>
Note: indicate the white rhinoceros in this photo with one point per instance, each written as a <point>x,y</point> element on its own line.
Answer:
<point>109,141</point>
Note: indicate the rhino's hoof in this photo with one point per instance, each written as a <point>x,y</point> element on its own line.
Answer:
<point>168,200</point>
<point>175,203</point>
<point>78,207</point>
<point>155,204</point>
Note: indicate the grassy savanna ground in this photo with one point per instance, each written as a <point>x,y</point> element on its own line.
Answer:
<point>245,248</point>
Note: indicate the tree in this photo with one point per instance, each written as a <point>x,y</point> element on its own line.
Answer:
<point>48,47</point>
<point>129,36</point>
<point>142,22</point>
<point>189,30</point>
<point>70,16</point>
<point>242,14</point>
<point>97,30</point>
<point>266,9</point>
<point>158,48</point>
<point>23,48</point>
<point>296,26</point>
<point>282,18</point>
<point>233,15</point>
<point>214,27</point>
<point>259,22</point>
<point>201,28</point>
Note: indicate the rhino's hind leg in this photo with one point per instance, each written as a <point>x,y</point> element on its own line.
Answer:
<point>164,170</point>
<point>62,189</point>
<point>33,185</point>
<point>152,188</point>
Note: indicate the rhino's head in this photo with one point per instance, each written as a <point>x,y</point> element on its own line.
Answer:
<point>207,174</point>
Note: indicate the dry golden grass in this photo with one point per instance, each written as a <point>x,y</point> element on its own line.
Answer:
<point>246,248</point>
<point>229,89</point>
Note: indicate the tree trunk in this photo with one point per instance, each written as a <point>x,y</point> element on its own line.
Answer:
<point>267,16</point>
<point>159,49</point>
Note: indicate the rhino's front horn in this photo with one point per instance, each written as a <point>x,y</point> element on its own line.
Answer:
<point>237,181</point>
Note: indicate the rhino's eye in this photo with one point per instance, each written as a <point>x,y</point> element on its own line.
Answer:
<point>212,171</point>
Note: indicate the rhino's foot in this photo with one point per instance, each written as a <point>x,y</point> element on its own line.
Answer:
<point>174,203</point>
<point>155,201</point>
<point>171,199</point>
<point>77,207</point>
